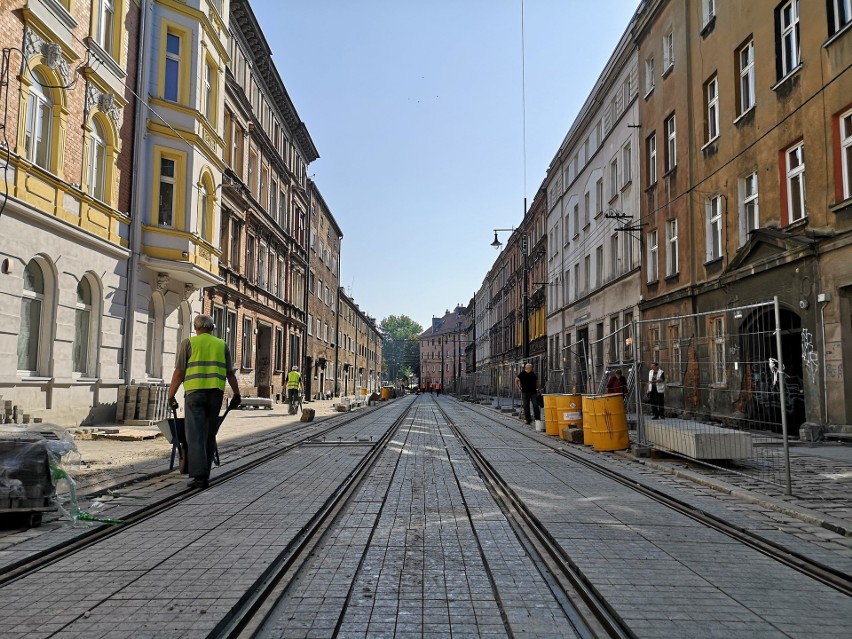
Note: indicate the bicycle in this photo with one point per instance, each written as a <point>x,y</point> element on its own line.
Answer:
<point>295,404</point>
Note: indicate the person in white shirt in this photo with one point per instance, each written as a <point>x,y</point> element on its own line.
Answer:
<point>656,390</point>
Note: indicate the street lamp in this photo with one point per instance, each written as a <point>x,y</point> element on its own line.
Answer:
<point>526,292</point>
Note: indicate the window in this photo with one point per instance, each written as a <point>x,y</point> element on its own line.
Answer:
<point>846,152</point>
<point>577,281</point>
<point>672,261</point>
<point>273,198</point>
<point>650,80</point>
<point>653,250</point>
<point>205,205</point>
<point>230,336</point>
<point>717,351</point>
<point>106,26</point>
<point>209,90</point>
<point>250,265</point>
<point>711,95</point>
<point>714,227</point>
<point>171,86</point>
<point>279,348</point>
<point>82,323</point>
<point>310,324</point>
<point>651,147</point>
<point>787,45</point>
<point>749,213</point>
<point>166,205</point>
<point>671,143</point>
<point>614,339</point>
<point>236,227</point>
<point>262,257</point>
<point>626,165</point>
<point>599,193</point>
<point>32,305</point>
<point>839,15</point>
<point>576,219</point>
<point>613,177</point>
<point>38,124</point>
<point>586,206</point>
<point>708,11</point>
<point>745,63</point>
<point>668,52</point>
<point>245,362</point>
<point>96,168</point>
<point>599,262</point>
<point>795,170</point>
<point>614,259</point>
<point>677,354</point>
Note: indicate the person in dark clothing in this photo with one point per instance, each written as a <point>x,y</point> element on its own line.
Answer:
<point>527,383</point>
<point>616,383</point>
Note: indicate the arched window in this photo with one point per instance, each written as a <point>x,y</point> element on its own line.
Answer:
<point>82,328</point>
<point>39,115</point>
<point>206,202</point>
<point>32,305</point>
<point>96,170</point>
<point>205,210</point>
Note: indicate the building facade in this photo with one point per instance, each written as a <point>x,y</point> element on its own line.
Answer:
<point>360,353</point>
<point>66,204</point>
<point>748,194</point>
<point>442,352</point>
<point>593,259</point>
<point>260,307</point>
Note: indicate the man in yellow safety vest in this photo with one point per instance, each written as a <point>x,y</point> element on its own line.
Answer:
<point>294,381</point>
<point>202,364</point>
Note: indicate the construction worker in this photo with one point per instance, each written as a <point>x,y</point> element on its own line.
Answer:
<point>202,364</point>
<point>294,383</point>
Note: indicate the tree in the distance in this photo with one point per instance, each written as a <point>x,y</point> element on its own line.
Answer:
<point>400,346</point>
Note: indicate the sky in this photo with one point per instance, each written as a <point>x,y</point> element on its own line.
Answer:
<point>430,135</point>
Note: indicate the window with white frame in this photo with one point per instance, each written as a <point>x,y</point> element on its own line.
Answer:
<point>230,335</point>
<point>711,95</point>
<point>576,219</point>
<point>745,65</point>
<point>839,15</point>
<point>714,228</point>
<point>245,362</point>
<point>587,274</point>
<point>794,159</point>
<point>32,310</point>
<point>651,154</point>
<point>96,169</point>
<point>717,350</point>
<point>106,25</point>
<point>672,248</point>
<point>614,257</point>
<point>82,328</point>
<point>599,266</point>
<point>668,51</point>
<point>708,11</point>
<point>787,20</point>
<point>586,208</point>
<point>171,86</point>
<point>650,79</point>
<point>599,195</point>
<point>576,281</point>
<point>749,210</point>
<point>671,143</point>
<point>626,164</point>
<point>653,253</point>
<point>846,152</point>
<point>209,90</point>
<point>37,131</point>
<point>166,204</point>
<point>613,177</point>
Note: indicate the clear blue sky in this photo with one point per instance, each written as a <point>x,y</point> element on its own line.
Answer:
<point>415,107</point>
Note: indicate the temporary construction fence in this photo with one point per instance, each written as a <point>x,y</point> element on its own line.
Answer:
<point>728,400</point>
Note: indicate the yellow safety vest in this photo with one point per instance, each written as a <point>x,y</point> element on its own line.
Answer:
<point>293,379</point>
<point>206,366</point>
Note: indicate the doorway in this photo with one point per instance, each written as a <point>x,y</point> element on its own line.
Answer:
<point>263,377</point>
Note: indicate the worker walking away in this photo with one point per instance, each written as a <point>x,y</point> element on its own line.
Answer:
<point>202,364</point>
<point>294,385</point>
<point>527,383</point>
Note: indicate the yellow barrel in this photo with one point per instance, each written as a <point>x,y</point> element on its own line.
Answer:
<point>387,392</point>
<point>589,419</point>
<point>569,410</point>
<point>550,416</point>
<point>609,431</point>
<point>363,391</point>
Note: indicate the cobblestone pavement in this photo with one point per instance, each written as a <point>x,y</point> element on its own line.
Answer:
<point>423,550</point>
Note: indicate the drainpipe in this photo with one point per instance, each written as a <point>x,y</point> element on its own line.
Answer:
<point>135,232</point>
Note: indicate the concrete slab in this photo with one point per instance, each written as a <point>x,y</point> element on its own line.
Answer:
<point>697,440</point>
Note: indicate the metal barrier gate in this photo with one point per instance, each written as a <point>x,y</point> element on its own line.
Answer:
<point>727,400</point>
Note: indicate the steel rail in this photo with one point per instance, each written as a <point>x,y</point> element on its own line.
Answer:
<point>818,571</point>
<point>258,601</point>
<point>550,556</point>
<point>30,564</point>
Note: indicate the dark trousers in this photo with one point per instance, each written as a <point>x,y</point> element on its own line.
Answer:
<point>529,398</point>
<point>202,420</point>
<point>657,403</point>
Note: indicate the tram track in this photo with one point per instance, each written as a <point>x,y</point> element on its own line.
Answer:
<point>586,610</point>
<point>88,537</point>
<point>818,571</point>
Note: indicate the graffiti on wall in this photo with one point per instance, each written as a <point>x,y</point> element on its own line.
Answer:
<point>809,357</point>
